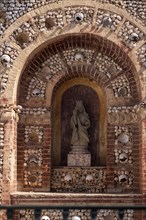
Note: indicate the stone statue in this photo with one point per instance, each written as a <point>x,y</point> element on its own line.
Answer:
<point>80,123</point>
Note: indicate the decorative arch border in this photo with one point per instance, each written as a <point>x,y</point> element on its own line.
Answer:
<point>88,41</point>
<point>26,54</point>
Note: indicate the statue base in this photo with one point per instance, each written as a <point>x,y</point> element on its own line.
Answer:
<point>79,160</point>
<point>79,149</point>
<point>79,157</point>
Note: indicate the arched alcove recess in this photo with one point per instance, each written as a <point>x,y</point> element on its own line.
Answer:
<point>121,98</point>
<point>107,70</point>
<point>63,102</point>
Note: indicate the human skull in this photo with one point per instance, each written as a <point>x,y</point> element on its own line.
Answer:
<point>44,217</point>
<point>123,157</point>
<point>89,178</point>
<point>123,138</point>
<point>123,179</point>
<point>68,178</point>
<point>134,37</point>
<point>36,92</point>
<point>5,58</point>
<point>79,57</point>
<point>107,21</point>
<point>79,17</point>
<point>76,218</point>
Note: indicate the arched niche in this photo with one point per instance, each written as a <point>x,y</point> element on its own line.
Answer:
<point>63,103</point>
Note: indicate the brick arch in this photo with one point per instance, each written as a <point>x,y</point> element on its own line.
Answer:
<point>87,41</point>
<point>43,37</point>
<point>93,73</point>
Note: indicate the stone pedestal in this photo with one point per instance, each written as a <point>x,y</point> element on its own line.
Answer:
<point>79,160</point>
<point>79,156</point>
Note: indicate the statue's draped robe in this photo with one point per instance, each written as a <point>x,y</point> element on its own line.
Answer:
<point>80,123</point>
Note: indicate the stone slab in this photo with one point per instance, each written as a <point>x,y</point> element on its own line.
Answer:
<point>79,160</point>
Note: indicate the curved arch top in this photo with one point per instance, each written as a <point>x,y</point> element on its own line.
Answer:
<point>40,38</point>
<point>101,58</point>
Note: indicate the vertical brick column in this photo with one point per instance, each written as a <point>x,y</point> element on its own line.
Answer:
<point>8,147</point>
<point>110,157</point>
<point>8,128</point>
<point>137,143</point>
<point>9,181</point>
<point>46,155</point>
<point>20,156</point>
<point>42,165</point>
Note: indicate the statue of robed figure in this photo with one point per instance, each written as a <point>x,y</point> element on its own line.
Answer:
<point>79,154</point>
<point>80,123</point>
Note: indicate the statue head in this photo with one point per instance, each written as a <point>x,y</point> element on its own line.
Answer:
<point>79,106</point>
